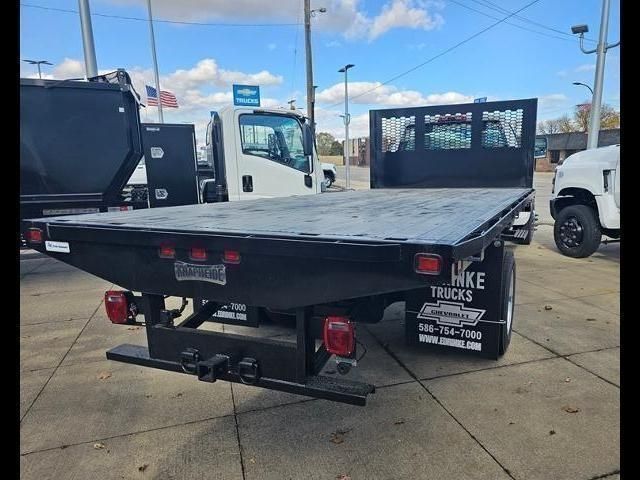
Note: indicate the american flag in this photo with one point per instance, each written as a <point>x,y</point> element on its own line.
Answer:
<point>168,99</point>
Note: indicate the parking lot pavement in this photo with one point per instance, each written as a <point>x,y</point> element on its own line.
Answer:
<point>548,409</point>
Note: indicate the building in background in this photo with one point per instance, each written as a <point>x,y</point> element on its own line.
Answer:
<point>561,145</point>
<point>359,151</point>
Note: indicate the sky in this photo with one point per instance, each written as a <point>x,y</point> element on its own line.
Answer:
<point>406,52</point>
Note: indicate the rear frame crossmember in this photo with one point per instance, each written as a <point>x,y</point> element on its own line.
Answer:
<point>262,362</point>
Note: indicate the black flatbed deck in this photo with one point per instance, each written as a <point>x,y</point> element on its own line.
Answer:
<point>295,251</point>
<point>443,216</point>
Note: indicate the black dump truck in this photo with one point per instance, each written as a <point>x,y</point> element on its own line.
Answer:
<point>447,184</point>
<point>81,141</point>
<point>79,144</point>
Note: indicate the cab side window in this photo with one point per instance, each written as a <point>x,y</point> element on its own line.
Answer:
<point>277,138</point>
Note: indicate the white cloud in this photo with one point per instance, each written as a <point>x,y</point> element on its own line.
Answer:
<point>552,100</point>
<point>588,67</point>
<point>403,13</point>
<point>206,72</point>
<point>374,93</point>
<point>343,16</point>
<point>330,121</point>
<point>192,88</point>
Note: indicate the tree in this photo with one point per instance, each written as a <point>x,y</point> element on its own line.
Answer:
<point>549,127</point>
<point>324,141</point>
<point>609,117</point>
<point>336,148</point>
<point>565,124</point>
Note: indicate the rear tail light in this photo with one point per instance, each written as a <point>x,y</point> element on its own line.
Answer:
<point>120,306</point>
<point>34,235</point>
<point>231,256</point>
<point>167,250</point>
<point>198,253</point>
<point>428,263</point>
<point>339,336</point>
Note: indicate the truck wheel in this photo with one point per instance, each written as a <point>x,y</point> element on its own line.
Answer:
<point>328,180</point>
<point>507,302</point>
<point>577,231</point>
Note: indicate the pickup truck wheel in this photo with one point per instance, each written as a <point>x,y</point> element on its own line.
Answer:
<point>328,180</point>
<point>508,296</point>
<point>577,231</point>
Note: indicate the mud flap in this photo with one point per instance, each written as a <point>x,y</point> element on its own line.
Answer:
<point>463,315</point>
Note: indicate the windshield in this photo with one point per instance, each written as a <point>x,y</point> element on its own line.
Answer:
<point>274,137</point>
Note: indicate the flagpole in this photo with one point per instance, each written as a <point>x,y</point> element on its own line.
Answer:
<point>155,61</point>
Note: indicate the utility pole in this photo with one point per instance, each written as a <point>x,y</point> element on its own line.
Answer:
<point>308,13</point>
<point>601,53</point>
<point>155,62</point>
<point>90,64</point>
<point>347,120</point>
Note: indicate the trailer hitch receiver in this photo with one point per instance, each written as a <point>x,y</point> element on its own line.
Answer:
<point>248,371</point>
<point>209,370</point>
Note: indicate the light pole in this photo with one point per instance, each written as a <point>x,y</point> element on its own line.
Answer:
<point>90,64</point>
<point>584,85</point>
<point>601,53</point>
<point>347,120</point>
<point>38,63</point>
<point>308,13</point>
<point>155,62</point>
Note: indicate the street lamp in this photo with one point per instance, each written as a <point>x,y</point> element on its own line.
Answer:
<point>347,120</point>
<point>601,52</point>
<point>584,85</point>
<point>38,63</point>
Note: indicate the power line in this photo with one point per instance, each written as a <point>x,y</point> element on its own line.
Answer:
<point>177,22</point>
<point>444,52</point>
<point>509,23</point>
<point>499,9</point>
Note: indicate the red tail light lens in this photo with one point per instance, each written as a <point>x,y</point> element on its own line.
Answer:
<point>198,253</point>
<point>339,336</point>
<point>118,308</point>
<point>231,256</point>
<point>34,235</point>
<point>428,263</point>
<point>167,250</point>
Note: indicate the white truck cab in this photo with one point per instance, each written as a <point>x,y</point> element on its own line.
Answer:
<point>585,202</point>
<point>260,153</point>
<point>254,153</point>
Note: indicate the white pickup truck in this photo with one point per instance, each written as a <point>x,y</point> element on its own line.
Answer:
<point>585,202</point>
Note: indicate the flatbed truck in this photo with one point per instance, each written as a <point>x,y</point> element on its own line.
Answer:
<point>430,232</point>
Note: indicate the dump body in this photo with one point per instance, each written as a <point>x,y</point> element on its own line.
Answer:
<point>79,144</point>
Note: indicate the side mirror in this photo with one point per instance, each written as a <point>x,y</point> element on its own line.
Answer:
<point>540,148</point>
<point>307,139</point>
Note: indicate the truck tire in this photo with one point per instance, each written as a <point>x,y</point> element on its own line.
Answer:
<point>577,231</point>
<point>328,180</point>
<point>507,300</point>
